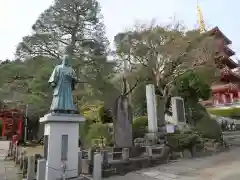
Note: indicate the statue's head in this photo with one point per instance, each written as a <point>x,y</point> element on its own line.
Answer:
<point>65,60</point>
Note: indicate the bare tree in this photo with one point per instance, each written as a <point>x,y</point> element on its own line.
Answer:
<point>165,53</point>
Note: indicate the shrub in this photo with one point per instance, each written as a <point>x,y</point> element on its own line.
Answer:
<point>139,126</point>
<point>90,112</point>
<point>183,140</point>
<point>98,131</point>
<point>96,113</point>
<point>104,115</point>
<point>83,130</point>
<point>209,128</point>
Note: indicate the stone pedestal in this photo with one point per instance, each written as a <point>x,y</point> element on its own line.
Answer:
<point>61,133</point>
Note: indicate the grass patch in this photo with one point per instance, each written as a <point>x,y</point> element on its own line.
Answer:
<point>228,112</point>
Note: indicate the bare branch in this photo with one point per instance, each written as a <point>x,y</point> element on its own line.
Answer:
<point>132,88</point>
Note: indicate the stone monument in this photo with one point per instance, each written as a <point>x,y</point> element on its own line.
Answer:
<point>123,123</point>
<point>178,111</point>
<point>116,103</point>
<point>151,111</point>
<point>61,125</point>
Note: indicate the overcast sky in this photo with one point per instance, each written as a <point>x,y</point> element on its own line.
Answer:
<point>17,17</point>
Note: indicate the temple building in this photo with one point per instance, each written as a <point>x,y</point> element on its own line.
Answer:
<point>226,92</point>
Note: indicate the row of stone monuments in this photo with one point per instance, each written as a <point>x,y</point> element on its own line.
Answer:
<point>156,118</point>
<point>61,125</point>
<point>61,133</point>
<point>155,110</point>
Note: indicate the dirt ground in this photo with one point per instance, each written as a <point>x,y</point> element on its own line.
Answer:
<point>34,150</point>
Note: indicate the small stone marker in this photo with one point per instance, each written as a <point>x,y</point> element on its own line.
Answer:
<point>25,166</point>
<point>79,162</point>
<point>14,151</point>
<point>21,162</point>
<point>85,167</point>
<point>110,154</point>
<point>97,167</point>
<point>149,151</point>
<point>16,156</point>
<point>21,158</point>
<point>31,168</point>
<point>41,169</point>
<point>90,155</point>
<point>125,154</point>
<point>186,154</point>
<point>104,156</point>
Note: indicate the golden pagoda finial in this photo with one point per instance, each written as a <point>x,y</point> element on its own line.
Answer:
<point>200,19</point>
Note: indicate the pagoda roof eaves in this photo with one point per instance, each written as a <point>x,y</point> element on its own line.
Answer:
<point>233,63</point>
<point>229,49</point>
<point>216,29</point>
<point>234,76</point>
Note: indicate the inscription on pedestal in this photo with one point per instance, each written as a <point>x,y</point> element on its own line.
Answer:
<point>64,151</point>
<point>45,141</point>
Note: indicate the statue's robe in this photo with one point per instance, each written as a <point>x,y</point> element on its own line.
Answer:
<point>63,79</point>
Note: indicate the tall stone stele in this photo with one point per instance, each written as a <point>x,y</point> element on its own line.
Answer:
<point>61,125</point>
<point>151,111</point>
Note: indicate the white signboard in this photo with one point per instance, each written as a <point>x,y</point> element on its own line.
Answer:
<point>170,128</point>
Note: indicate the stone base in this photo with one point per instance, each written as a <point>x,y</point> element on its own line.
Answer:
<point>151,138</point>
<point>59,117</point>
<point>61,146</point>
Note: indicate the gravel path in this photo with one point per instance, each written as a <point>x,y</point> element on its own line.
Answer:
<point>8,171</point>
<point>224,166</point>
<point>7,168</point>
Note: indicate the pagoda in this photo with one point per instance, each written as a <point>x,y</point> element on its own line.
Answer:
<point>225,93</point>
